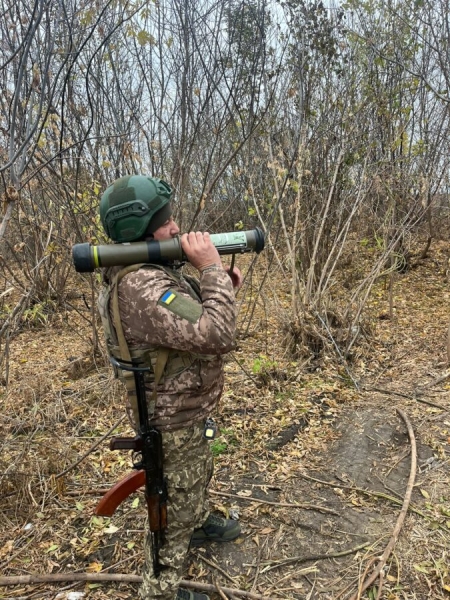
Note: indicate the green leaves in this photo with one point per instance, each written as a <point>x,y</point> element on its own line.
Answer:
<point>144,38</point>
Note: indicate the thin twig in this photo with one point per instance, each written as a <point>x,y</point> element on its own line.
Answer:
<point>372,560</point>
<point>16,554</point>
<point>91,449</point>
<point>76,493</point>
<point>409,397</point>
<point>300,572</point>
<point>371,493</point>
<point>20,307</point>
<point>219,590</point>
<point>401,517</point>
<point>389,489</point>
<point>283,504</point>
<point>338,351</point>
<point>380,586</point>
<point>258,567</point>
<point>115,565</point>
<point>435,381</point>
<point>214,566</point>
<point>312,557</point>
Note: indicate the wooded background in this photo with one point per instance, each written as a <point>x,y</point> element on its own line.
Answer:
<point>325,124</point>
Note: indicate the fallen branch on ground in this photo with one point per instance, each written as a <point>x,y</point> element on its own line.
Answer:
<point>272,564</point>
<point>401,517</point>
<point>283,504</point>
<point>322,509</point>
<point>435,381</point>
<point>372,493</point>
<point>123,577</point>
<point>214,566</point>
<point>409,397</point>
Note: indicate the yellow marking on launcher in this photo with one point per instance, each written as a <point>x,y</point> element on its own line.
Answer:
<point>96,257</point>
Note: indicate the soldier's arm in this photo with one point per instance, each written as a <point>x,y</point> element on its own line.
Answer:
<point>156,311</point>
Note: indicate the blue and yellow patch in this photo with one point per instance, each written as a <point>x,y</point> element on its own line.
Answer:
<point>168,297</point>
<point>178,304</point>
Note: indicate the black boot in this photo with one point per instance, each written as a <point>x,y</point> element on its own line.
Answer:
<point>216,529</point>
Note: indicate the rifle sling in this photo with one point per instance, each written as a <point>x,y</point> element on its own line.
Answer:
<point>162,356</point>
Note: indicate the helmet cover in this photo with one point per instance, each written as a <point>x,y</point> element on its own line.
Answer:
<point>134,206</point>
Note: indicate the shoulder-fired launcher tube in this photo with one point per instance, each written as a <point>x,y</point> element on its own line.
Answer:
<point>87,257</point>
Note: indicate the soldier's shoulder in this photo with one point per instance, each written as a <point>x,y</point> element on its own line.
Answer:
<point>145,277</point>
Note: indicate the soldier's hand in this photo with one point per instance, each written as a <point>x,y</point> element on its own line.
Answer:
<point>200,250</point>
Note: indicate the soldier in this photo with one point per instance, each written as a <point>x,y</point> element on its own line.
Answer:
<point>194,322</point>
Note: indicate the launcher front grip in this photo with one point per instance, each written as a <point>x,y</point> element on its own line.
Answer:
<point>119,492</point>
<point>87,257</point>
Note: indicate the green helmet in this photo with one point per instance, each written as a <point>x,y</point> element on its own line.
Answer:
<point>134,206</point>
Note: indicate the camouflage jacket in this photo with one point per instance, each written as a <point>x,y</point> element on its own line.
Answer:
<point>161,308</point>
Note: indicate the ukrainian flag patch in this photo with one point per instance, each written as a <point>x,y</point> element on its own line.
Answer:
<point>178,304</point>
<point>168,297</point>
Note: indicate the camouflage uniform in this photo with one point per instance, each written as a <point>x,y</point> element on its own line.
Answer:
<point>160,308</point>
<point>188,469</point>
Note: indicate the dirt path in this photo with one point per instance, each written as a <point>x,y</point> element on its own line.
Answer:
<point>372,454</point>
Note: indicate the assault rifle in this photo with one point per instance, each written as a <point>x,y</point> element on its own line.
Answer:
<point>148,462</point>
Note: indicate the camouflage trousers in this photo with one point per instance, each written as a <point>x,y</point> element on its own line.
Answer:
<point>188,467</point>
